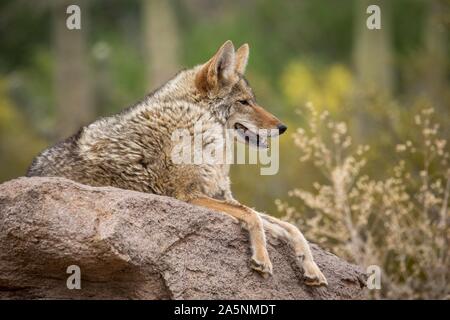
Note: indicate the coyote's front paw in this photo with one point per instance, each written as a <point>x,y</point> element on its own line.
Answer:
<point>313,275</point>
<point>262,264</point>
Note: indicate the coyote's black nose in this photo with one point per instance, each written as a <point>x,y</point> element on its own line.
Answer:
<point>281,128</point>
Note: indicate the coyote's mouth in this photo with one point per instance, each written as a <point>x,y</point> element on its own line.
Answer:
<point>250,137</point>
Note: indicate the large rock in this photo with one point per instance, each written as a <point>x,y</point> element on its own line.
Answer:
<point>132,245</point>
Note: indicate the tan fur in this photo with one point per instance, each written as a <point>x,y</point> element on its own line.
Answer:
<point>132,150</point>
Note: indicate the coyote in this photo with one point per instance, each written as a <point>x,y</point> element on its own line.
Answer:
<point>131,150</point>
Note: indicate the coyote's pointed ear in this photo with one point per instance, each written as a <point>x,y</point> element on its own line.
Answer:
<point>242,58</point>
<point>219,71</point>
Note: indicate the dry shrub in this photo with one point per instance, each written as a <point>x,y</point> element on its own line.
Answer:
<point>399,223</point>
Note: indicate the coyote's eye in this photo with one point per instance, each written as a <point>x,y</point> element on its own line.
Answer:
<point>244,102</point>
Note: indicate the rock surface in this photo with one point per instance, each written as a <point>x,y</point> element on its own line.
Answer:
<point>131,245</point>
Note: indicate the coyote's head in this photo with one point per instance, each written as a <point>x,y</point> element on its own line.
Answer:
<point>224,89</point>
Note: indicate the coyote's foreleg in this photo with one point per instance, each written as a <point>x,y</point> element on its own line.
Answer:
<point>252,222</point>
<point>284,230</point>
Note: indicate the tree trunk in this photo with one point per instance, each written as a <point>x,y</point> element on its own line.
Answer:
<point>72,88</point>
<point>372,50</point>
<point>372,54</point>
<point>434,71</point>
<point>160,40</point>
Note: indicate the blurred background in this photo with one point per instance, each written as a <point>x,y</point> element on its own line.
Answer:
<point>53,80</point>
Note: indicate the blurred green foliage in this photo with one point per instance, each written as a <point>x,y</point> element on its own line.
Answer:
<point>18,144</point>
